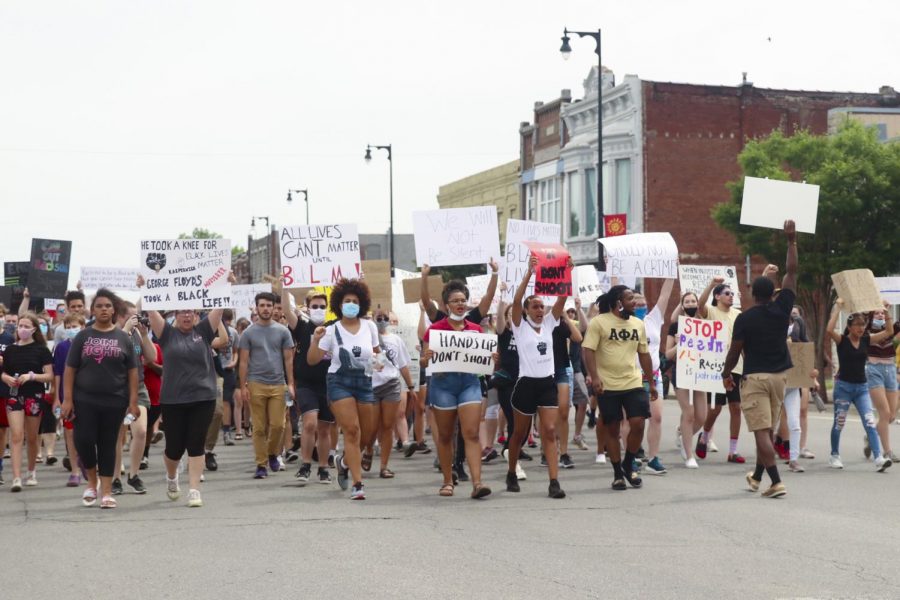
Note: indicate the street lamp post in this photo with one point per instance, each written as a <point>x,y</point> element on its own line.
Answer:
<point>566,51</point>
<point>368,158</point>
<point>268,260</point>
<point>305,199</point>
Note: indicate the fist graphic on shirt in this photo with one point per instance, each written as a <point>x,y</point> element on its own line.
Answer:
<point>357,351</point>
<point>542,348</point>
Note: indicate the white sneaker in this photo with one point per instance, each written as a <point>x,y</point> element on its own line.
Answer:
<point>601,459</point>
<point>31,479</point>
<point>280,460</point>
<point>16,485</point>
<point>172,489</point>
<point>194,499</point>
<point>834,461</point>
<point>691,463</point>
<point>881,463</point>
<point>520,472</point>
<point>678,441</point>
<point>711,446</point>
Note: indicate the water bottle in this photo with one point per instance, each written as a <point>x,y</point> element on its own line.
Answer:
<point>287,399</point>
<point>370,366</point>
<point>129,419</point>
<point>57,412</point>
<point>14,388</point>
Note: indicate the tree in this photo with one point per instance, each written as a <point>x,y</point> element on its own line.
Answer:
<point>198,233</point>
<point>858,218</point>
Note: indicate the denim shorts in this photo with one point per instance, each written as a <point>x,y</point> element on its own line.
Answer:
<point>882,375</point>
<point>349,385</point>
<point>449,391</point>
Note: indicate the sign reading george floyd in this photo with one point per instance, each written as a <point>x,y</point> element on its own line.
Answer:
<point>650,255</point>
<point>48,273</point>
<point>770,202</point>
<point>552,275</point>
<point>461,352</point>
<point>700,356</point>
<point>456,236</point>
<point>313,255</point>
<point>113,278</point>
<point>185,274</point>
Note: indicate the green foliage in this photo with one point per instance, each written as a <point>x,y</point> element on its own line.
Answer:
<point>198,233</point>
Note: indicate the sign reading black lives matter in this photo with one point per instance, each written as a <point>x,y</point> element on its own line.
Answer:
<point>185,274</point>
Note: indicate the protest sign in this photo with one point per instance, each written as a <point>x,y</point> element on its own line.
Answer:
<point>185,274</point>
<point>48,273</point>
<point>412,289</point>
<point>803,357</point>
<point>552,274</point>
<point>586,284</point>
<point>461,352</point>
<point>243,298</point>
<point>377,275</point>
<point>314,255</point>
<point>113,278</point>
<point>858,290</point>
<point>651,255</point>
<point>770,202</point>
<point>15,275</point>
<point>889,288</point>
<point>6,295</point>
<point>695,278</point>
<point>456,236</point>
<point>517,254</point>
<point>478,285</point>
<point>606,282</point>
<point>700,357</point>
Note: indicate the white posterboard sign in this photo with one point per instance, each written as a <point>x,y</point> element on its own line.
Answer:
<point>586,284</point>
<point>700,358</point>
<point>770,202</point>
<point>461,352</point>
<point>605,282</point>
<point>517,254</point>
<point>456,236</point>
<point>649,255</point>
<point>889,288</point>
<point>313,255</point>
<point>478,285</point>
<point>185,274</point>
<point>113,278</point>
<point>243,298</point>
<point>695,278</point>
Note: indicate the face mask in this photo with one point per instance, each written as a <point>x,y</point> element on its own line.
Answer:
<point>43,328</point>
<point>640,312</point>
<point>691,312</point>
<point>350,310</point>
<point>382,326</point>
<point>317,315</point>
<point>878,323</point>
<point>25,333</point>
<point>71,333</point>
<point>456,317</point>
<point>9,328</point>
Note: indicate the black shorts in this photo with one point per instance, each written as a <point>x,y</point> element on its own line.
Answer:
<point>635,403</point>
<point>532,393</point>
<point>229,384</point>
<point>311,398</point>
<point>734,396</point>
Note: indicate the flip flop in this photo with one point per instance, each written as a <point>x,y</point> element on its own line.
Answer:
<point>480,491</point>
<point>386,474</point>
<point>108,502</point>
<point>89,497</point>
<point>366,462</point>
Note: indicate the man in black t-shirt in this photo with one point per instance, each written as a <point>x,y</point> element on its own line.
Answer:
<point>760,333</point>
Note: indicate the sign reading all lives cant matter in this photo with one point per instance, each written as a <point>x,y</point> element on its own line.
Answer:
<point>313,255</point>
<point>185,274</point>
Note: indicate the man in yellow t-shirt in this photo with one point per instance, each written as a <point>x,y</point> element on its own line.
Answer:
<point>612,340</point>
<point>722,309</point>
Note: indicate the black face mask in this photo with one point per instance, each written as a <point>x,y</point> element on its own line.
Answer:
<point>691,312</point>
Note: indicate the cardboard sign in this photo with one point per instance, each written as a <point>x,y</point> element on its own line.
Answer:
<point>478,285</point>
<point>48,273</point>
<point>314,255</point>
<point>412,289</point>
<point>770,202</point>
<point>552,274</point>
<point>243,298</point>
<point>651,255</point>
<point>858,290</point>
<point>456,236</point>
<point>377,275</point>
<point>587,284</point>
<point>185,274</point>
<point>695,278</point>
<point>517,254</point>
<point>113,278</point>
<point>889,288</point>
<point>702,348</point>
<point>803,357</point>
<point>462,352</point>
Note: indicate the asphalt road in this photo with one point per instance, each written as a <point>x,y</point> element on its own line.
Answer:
<point>687,534</point>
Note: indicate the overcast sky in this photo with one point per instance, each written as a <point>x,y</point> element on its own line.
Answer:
<point>143,119</point>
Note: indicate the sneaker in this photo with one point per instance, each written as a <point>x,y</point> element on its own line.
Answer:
<point>565,462</point>
<point>490,455</point>
<point>194,499</point>
<point>228,438</point>
<point>460,471</point>
<point>137,485</point>
<point>16,485</point>
<point>290,457</point>
<point>531,442</point>
<point>691,463</point>
<point>867,449</point>
<point>410,449</point>
<point>601,459</point>
<point>156,437</point>
<point>636,466</point>
<point>74,480</point>
<point>51,460</point>
<point>343,474</point>
<point>712,446</point>
<point>592,420</point>
<point>520,473</point>
<point>331,461</point>
<point>67,463</point>
<point>398,446</point>
<point>579,442</point>
<point>423,448</point>
<point>525,456</point>
<point>31,479</point>
<point>554,491</point>
<point>805,453</point>
<point>117,488</point>
<point>543,460</point>
<point>211,464</point>
<point>324,476</point>
<point>261,472</point>
<point>358,493</point>
<point>304,472</point>
<point>145,464</point>
<point>700,448</point>
<point>654,467</point>
<point>775,491</point>
<point>641,455</point>
<point>794,467</point>
<point>274,465</point>
<point>736,458</point>
<point>172,489</point>
<point>512,482</point>
<point>834,461</point>
<point>753,483</point>
<point>894,457</point>
<point>295,442</point>
<point>881,463</point>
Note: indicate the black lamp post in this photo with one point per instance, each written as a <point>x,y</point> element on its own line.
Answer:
<point>305,199</point>
<point>368,158</point>
<point>566,51</point>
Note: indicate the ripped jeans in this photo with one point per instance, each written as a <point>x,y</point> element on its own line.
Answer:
<point>857,394</point>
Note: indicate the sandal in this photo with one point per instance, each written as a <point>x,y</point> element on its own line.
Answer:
<point>108,502</point>
<point>634,479</point>
<point>619,485</point>
<point>386,474</point>
<point>446,490</point>
<point>366,462</point>
<point>239,436</point>
<point>480,491</point>
<point>89,497</point>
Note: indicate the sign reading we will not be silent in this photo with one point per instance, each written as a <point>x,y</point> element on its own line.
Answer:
<point>456,236</point>
<point>185,274</point>
<point>313,255</point>
<point>552,275</point>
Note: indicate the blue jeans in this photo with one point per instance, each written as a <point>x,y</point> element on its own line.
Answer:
<point>857,394</point>
<point>449,391</point>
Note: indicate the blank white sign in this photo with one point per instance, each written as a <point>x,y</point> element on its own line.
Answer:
<point>769,203</point>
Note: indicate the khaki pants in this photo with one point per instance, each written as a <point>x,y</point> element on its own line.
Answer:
<point>267,417</point>
<point>212,434</point>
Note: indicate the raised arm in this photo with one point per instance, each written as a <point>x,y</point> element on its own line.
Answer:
<point>664,295</point>
<point>832,322</point>
<point>574,330</point>
<point>520,291</point>
<point>501,310</point>
<point>560,305</point>
<point>790,277</point>
<point>582,318</point>
<point>425,295</point>
<point>485,305</point>
<point>877,338</point>
<point>704,297</point>
<point>289,315</point>
<point>26,302</point>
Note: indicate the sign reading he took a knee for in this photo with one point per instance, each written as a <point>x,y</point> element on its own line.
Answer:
<point>650,255</point>
<point>462,352</point>
<point>552,275</point>
<point>314,255</point>
<point>185,274</point>
<point>702,347</point>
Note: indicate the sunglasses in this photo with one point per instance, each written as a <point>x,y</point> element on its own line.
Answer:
<point>727,294</point>
<point>319,306</point>
<point>382,319</point>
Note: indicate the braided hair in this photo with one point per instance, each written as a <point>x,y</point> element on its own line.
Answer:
<point>608,301</point>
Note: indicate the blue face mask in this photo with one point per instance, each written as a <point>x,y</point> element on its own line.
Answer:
<point>350,310</point>
<point>640,312</point>
<point>878,323</point>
